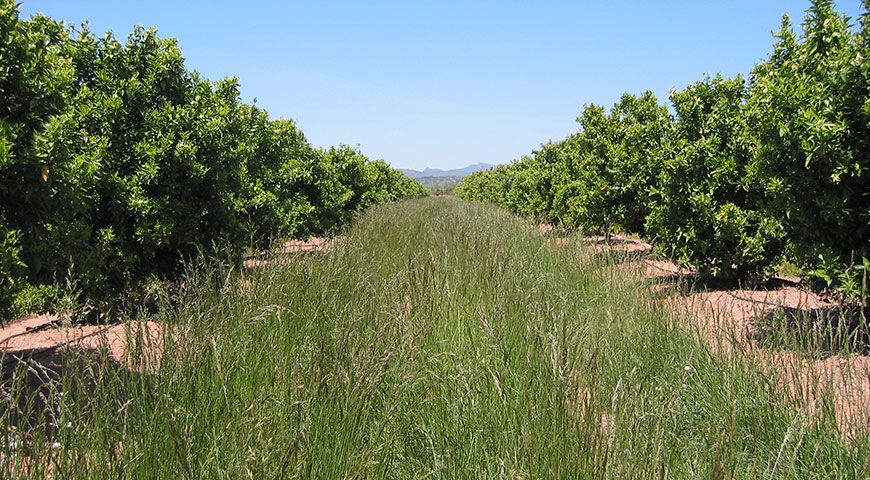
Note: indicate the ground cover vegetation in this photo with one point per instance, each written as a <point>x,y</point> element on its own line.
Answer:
<point>436,338</point>
<point>117,163</point>
<point>745,173</point>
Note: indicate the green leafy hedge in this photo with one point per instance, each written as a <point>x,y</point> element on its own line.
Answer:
<point>748,173</point>
<point>810,103</point>
<point>118,163</point>
<point>706,211</point>
<point>600,178</point>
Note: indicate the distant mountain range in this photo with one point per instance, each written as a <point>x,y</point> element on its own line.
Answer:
<point>456,172</point>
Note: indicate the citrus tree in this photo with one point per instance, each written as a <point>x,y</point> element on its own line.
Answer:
<point>706,212</point>
<point>809,105</point>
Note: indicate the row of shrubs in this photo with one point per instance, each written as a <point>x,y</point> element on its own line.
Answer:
<point>117,163</point>
<point>748,172</point>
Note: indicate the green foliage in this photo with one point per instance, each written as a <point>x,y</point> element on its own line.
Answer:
<point>11,268</point>
<point>277,170</point>
<point>810,103</point>
<point>599,178</point>
<point>145,168</point>
<point>610,165</point>
<point>34,77</point>
<point>386,184</point>
<point>37,298</point>
<point>490,185</point>
<point>707,213</point>
<point>350,182</point>
<point>118,164</point>
<point>747,174</point>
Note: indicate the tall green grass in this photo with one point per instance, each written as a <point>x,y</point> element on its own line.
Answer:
<point>437,339</point>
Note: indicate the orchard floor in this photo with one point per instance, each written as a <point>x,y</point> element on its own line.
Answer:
<point>729,316</point>
<point>440,337</point>
<point>40,343</point>
<point>39,336</point>
<point>779,325</point>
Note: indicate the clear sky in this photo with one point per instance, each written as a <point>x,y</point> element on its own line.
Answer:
<point>444,84</point>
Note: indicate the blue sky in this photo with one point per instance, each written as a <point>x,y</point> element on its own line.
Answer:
<point>446,84</point>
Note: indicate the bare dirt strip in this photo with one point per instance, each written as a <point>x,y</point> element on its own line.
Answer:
<point>39,337</point>
<point>35,334</point>
<point>756,323</point>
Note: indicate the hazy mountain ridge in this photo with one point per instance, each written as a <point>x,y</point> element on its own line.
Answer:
<point>436,172</point>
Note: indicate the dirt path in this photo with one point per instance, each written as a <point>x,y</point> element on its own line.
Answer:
<point>38,336</point>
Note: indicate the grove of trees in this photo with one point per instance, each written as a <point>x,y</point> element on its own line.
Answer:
<point>746,172</point>
<point>117,163</point>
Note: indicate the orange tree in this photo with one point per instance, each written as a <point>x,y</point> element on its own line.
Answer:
<point>36,74</point>
<point>118,163</point>
<point>609,167</point>
<point>810,106</point>
<point>706,211</point>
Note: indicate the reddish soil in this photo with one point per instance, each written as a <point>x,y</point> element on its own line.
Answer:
<point>36,350</point>
<point>732,318</point>
<point>37,335</point>
<point>40,337</point>
<point>598,243</point>
<point>617,243</point>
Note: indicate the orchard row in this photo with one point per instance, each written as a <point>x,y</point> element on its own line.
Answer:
<point>746,173</point>
<point>117,163</point>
